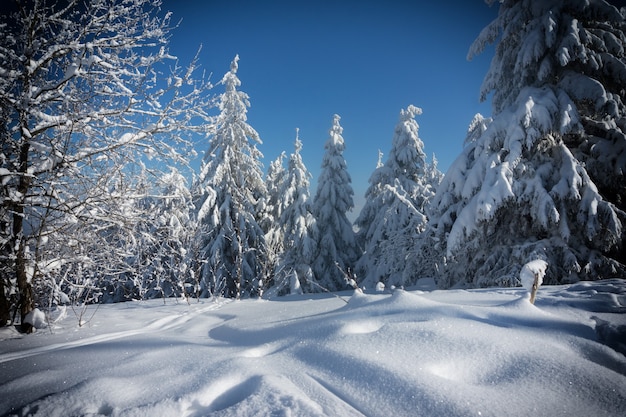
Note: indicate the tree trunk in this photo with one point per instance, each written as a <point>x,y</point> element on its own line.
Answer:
<point>24,286</point>
<point>533,292</point>
<point>26,301</point>
<point>239,269</point>
<point>5,307</point>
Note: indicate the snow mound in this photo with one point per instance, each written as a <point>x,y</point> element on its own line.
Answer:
<point>612,335</point>
<point>37,319</point>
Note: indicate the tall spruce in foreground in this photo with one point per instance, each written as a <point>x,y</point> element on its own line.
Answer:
<point>336,244</point>
<point>544,179</point>
<point>394,214</point>
<point>87,90</point>
<point>297,225</point>
<point>229,193</point>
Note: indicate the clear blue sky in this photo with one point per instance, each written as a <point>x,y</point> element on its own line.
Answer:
<point>303,61</point>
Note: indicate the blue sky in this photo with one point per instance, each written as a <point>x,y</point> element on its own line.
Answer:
<point>303,61</point>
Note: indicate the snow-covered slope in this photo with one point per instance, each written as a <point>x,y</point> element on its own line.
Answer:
<point>409,353</point>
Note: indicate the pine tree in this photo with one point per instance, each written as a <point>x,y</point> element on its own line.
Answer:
<point>229,193</point>
<point>337,250</point>
<point>297,226</point>
<point>396,200</point>
<point>528,184</point>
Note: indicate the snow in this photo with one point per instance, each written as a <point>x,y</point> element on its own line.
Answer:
<point>482,352</point>
<point>36,318</point>
<point>533,270</point>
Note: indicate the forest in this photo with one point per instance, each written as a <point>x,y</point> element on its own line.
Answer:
<point>99,202</point>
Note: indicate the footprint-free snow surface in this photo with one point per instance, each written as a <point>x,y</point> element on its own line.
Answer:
<point>406,353</point>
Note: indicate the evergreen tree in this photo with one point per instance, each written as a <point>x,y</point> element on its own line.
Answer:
<point>274,206</point>
<point>229,193</point>
<point>433,176</point>
<point>532,183</point>
<point>336,244</point>
<point>297,226</point>
<point>394,233</point>
<point>396,200</point>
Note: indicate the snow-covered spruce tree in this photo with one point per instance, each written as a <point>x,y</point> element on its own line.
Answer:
<point>429,256</point>
<point>579,48</point>
<point>543,179</point>
<point>394,213</point>
<point>87,89</point>
<point>297,227</point>
<point>273,208</point>
<point>433,176</point>
<point>336,243</point>
<point>229,192</point>
<point>395,231</point>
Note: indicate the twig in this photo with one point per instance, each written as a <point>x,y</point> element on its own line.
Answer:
<point>328,291</point>
<point>350,280</point>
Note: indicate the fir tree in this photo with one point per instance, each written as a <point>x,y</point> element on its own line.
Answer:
<point>297,227</point>
<point>336,245</point>
<point>394,214</point>
<point>274,206</point>
<point>528,184</point>
<point>229,192</point>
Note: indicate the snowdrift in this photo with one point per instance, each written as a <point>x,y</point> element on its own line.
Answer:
<point>407,353</point>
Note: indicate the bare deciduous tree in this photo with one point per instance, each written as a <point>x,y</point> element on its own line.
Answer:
<point>87,88</point>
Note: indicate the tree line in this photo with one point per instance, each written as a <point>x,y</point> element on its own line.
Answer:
<point>99,204</point>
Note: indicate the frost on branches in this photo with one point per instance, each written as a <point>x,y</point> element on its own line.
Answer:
<point>229,195</point>
<point>394,213</point>
<point>166,251</point>
<point>87,90</point>
<point>545,178</point>
<point>336,245</point>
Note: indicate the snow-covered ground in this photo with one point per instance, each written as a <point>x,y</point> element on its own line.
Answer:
<point>407,353</point>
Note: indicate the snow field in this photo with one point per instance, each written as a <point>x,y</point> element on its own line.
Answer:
<point>406,353</point>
